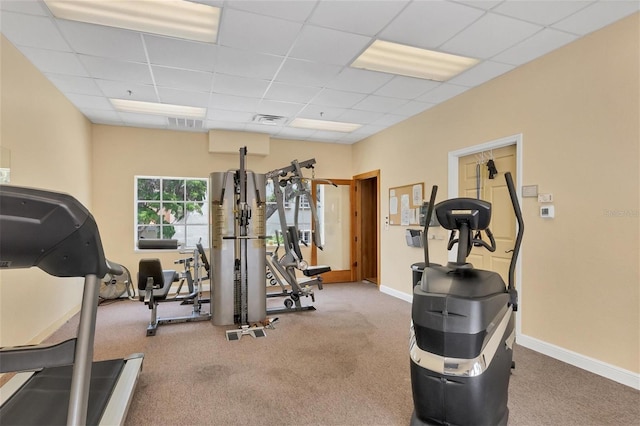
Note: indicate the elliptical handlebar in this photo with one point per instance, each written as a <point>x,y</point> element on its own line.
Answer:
<point>492,246</point>
<point>516,248</point>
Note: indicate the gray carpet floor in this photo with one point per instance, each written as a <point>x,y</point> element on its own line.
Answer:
<point>346,363</point>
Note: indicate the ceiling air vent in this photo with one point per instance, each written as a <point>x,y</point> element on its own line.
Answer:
<point>269,120</point>
<point>185,123</point>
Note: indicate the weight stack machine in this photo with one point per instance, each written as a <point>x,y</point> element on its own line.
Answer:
<point>238,250</point>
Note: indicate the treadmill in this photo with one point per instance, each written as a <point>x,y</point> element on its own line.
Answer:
<point>60,383</point>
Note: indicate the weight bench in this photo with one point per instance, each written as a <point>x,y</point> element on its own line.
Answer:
<point>286,267</point>
<point>154,284</point>
<point>308,271</point>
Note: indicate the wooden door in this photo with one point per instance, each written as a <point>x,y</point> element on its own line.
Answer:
<point>365,236</point>
<point>495,191</point>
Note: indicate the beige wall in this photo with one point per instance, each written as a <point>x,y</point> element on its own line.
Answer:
<point>578,112</point>
<point>121,153</point>
<point>577,109</point>
<point>50,144</point>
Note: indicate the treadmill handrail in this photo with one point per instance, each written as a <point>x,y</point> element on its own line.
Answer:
<point>33,357</point>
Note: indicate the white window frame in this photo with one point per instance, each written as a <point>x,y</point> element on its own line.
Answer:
<point>181,242</point>
<point>305,236</point>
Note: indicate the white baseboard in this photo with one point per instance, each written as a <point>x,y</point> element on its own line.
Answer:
<point>592,365</point>
<point>395,293</point>
<point>617,374</point>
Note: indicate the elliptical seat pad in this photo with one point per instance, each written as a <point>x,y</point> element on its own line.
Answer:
<point>469,283</point>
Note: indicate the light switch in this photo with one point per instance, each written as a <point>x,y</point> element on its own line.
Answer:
<point>545,198</point>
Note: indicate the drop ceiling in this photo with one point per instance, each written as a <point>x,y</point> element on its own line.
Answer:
<point>290,59</point>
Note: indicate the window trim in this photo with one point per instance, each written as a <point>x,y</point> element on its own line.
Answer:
<point>136,201</point>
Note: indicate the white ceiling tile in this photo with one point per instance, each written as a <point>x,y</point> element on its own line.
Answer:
<point>359,80</point>
<point>183,97</point>
<point>337,98</point>
<point>543,12</point>
<point>306,73</point>
<point>290,93</point>
<point>259,33</point>
<point>318,112</point>
<point>111,69</point>
<point>32,31</point>
<point>127,90</point>
<point>262,128</point>
<point>351,138</point>
<point>428,24</point>
<point>481,73</point>
<point>175,78</point>
<point>257,73</point>
<point>379,103</point>
<point>50,61</point>
<point>481,4</point>
<point>490,35</point>
<point>100,116</point>
<point>412,108</point>
<point>537,45</point>
<point>328,46</point>
<point>240,86</point>
<point>347,15</point>
<point>179,53</point>
<point>74,84</point>
<point>294,133</point>
<point>286,109</point>
<point>360,117</point>
<point>87,101</point>
<point>233,103</point>
<point>247,64</point>
<point>97,40</point>
<point>405,87</point>
<point>390,119</point>
<point>21,6</point>
<point>597,16</point>
<point>368,130</point>
<point>283,9</point>
<point>225,125</point>
<point>442,93</point>
<point>223,115</point>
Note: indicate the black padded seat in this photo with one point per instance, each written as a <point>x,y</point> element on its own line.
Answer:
<point>162,279</point>
<point>312,271</point>
<point>469,283</point>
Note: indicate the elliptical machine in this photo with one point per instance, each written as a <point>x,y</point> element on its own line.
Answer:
<point>463,323</point>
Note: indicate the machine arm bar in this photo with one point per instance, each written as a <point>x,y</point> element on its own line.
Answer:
<point>427,220</point>
<point>295,166</point>
<point>513,293</point>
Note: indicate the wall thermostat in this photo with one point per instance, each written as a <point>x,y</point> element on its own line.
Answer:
<point>547,212</point>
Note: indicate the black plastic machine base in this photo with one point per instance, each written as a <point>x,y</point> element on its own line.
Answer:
<point>415,421</point>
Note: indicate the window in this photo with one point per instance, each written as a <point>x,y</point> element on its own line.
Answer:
<point>305,236</point>
<point>172,208</point>
<point>304,202</point>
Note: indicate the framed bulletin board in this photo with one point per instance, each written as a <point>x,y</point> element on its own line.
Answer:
<point>404,204</point>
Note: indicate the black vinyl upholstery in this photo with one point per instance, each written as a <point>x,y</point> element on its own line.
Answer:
<point>162,279</point>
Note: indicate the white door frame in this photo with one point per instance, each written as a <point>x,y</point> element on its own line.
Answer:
<point>454,160</point>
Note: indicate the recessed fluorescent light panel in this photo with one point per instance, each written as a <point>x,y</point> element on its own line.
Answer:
<point>395,58</point>
<point>174,18</point>
<point>139,107</point>
<point>334,126</point>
